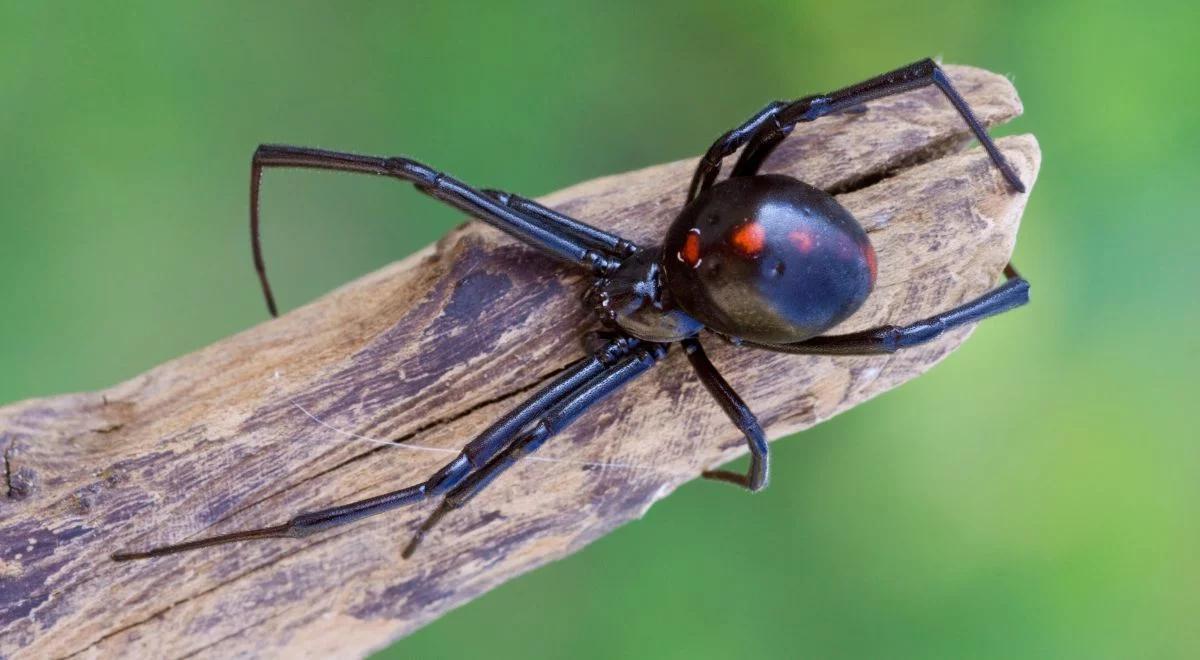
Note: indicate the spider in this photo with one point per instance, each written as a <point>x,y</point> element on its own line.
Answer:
<point>763,260</point>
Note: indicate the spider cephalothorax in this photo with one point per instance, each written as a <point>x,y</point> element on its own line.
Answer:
<point>765,260</point>
<point>633,299</point>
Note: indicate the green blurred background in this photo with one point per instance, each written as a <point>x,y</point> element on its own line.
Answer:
<point>1034,496</point>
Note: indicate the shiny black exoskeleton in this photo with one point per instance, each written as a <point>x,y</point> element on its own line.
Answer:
<point>768,258</point>
<point>764,260</point>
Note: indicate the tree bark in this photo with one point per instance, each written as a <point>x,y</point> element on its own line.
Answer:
<point>425,353</point>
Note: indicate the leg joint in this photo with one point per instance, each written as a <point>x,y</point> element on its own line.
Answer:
<point>654,352</point>
<point>600,264</point>
<point>616,349</point>
<point>449,476</point>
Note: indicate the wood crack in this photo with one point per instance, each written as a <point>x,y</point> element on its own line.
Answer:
<point>885,171</point>
<point>8,475</point>
<point>216,642</point>
<point>240,576</point>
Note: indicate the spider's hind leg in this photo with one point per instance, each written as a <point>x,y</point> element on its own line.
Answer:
<point>914,76</point>
<point>891,338</point>
<point>760,134</point>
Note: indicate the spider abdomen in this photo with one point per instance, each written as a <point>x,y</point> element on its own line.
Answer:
<point>768,258</point>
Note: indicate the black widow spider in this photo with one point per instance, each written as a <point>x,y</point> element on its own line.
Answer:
<point>763,260</point>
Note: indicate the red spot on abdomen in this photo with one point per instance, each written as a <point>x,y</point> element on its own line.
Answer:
<point>748,238</point>
<point>802,241</point>
<point>690,252</point>
<point>869,255</point>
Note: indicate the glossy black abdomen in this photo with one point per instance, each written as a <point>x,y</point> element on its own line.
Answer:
<point>768,258</point>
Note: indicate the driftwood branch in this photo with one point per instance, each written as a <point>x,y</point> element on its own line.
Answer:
<point>424,353</point>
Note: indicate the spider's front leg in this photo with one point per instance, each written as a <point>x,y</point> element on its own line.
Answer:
<point>550,232</point>
<point>585,233</point>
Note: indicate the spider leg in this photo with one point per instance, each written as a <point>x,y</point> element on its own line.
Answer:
<point>554,420</point>
<point>731,141</point>
<point>585,233</point>
<point>916,75</point>
<point>579,377</point>
<point>772,124</point>
<point>739,413</point>
<point>891,338</point>
<point>553,239</point>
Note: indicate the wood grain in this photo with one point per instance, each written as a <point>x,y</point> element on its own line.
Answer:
<point>424,353</point>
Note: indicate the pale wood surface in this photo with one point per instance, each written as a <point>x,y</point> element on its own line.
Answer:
<point>424,352</point>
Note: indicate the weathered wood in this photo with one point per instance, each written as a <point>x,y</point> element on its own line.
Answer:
<point>426,352</point>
